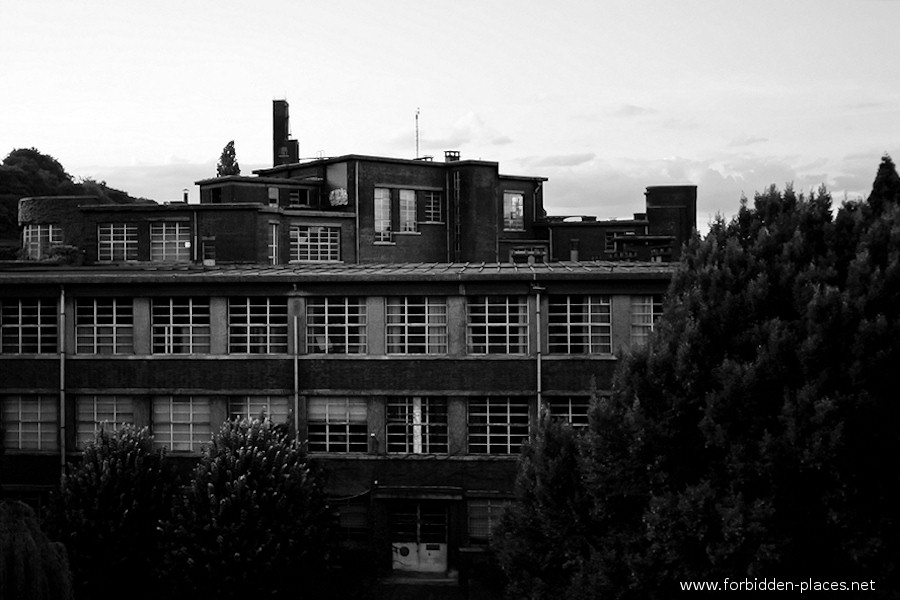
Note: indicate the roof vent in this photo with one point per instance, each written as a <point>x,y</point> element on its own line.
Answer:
<point>451,155</point>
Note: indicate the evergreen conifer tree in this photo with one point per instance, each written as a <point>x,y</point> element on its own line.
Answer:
<point>228,164</point>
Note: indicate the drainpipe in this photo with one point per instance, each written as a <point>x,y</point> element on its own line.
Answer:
<point>296,379</point>
<point>538,355</point>
<point>356,200</point>
<point>61,336</point>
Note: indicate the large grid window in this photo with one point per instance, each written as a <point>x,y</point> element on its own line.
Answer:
<point>38,239</point>
<point>417,425</point>
<point>257,325</point>
<point>95,413</point>
<point>264,408</point>
<point>570,409</point>
<point>336,325</point>
<point>408,213</point>
<point>104,326</point>
<point>181,423</point>
<point>498,425</point>
<point>274,250</point>
<point>497,325</point>
<point>580,324</point>
<point>315,243</point>
<point>433,213</point>
<point>513,211</point>
<point>416,325</point>
<point>484,514</point>
<point>170,241</point>
<point>180,325</point>
<point>28,326</point>
<point>117,242</point>
<point>338,425</point>
<point>383,215</point>
<point>30,422</point>
<point>645,311</point>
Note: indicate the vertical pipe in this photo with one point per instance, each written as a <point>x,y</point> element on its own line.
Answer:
<point>61,337</point>
<point>296,379</point>
<point>539,351</point>
<point>356,199</point>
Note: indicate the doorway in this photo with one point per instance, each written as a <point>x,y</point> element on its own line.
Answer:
<point>419,536</point>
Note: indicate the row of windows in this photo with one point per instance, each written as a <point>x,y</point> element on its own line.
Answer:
<point>407,216</point>
<point>413,425</point>
<point>577,324</point>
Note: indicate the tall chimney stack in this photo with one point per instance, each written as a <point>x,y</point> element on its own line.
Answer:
<point>285,151</point>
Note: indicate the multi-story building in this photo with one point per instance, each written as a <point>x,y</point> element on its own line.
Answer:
<point>410,319</point>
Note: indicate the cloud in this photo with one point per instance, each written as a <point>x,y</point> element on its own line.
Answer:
<point>632,110</point>
<point>747,140</point>
<point>557,160</point>
<point>469,131</point>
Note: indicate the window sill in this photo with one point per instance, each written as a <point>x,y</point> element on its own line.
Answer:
<point>408,233</point>
<point>385,243</point>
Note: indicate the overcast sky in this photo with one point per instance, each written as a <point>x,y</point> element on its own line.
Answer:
<point>602,97</point>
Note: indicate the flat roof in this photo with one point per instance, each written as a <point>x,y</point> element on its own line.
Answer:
<point>23,273</point>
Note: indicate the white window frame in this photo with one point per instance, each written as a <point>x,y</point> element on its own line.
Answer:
<point>408,212</point>
<point>274,249</point>
<point>433,207</point>
<point>416,325</point>
<point>170,241</point>
<point>416,425</point>
<point>315,243</point>
<point>498,424</point>
<point>579,324</point>
<point>570,409</point>
<point>117,242</point>
<point>645,311</point>
<point>497,325</point>
<point>272,408</point>
<point>181,423</point>
<point>180,325</point>
<point>30,422</point>
<point>104,326</point>
<point>513,211</point>
<point>257,325</point>
<point>37,239</point>
<point>96,412</point>
<point>337,424</point>
<point>382,209</point>
<point>336,325</point>
<point>28,326</point>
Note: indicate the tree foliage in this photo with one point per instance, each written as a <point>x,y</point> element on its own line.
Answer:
<point>255,521</point>
<point>752,436</point>
<point>31,566</point>
<point>228,164</point>
<point>109,510</point>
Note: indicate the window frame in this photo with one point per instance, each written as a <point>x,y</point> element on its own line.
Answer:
<point>117,242</point>
<point>497,425</point>
<point>91,335</point>
<point>16,331</point>
<point>433,206</point>
<point>321,243</point>
<point>170,241</point>
<point>416,425</point>
<point>336,325</point>
<point>579,324</point>
<point>199,432</point>
<point>342,428</point>
<point>513,210</point>
<point>89,415</point>
<point>277,408</point>
<point>38,238</point>
<point>257,325</point>
<point>402,325</point>
<point>45,425</point>
<point>493,509</point>
<point>382,216</point>
<point>645,312</point>
<point>408,211</point>
<point>492,327</point>
<point>573,410</point>
<point>196,325</point>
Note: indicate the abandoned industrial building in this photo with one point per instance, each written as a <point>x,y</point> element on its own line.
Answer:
<point>411,317</point>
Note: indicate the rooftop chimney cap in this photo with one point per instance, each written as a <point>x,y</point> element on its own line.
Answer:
<point>451,155</point>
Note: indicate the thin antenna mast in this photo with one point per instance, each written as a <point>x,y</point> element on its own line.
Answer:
<point>417,132</point>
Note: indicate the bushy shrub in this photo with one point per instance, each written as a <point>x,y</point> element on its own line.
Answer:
<point>31,566</point>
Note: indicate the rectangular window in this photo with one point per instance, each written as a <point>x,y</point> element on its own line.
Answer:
<point>498,425</point>
<point>257,325</point>
<point>417,425</point>
<point>180,325</point>
<point>433,212</point>
<point>336,325</point>
<point>104,326</point>
<point>181,423</point>
<point>30,422</point>
<point>580,325</point>
<point>38,239</point>
<point>338,425</point>
<point>315,243</point>
<point>101,412</point>
<point>274,232</point>
<point>272,408</point>
<point>497,325</point>
<point>383,215</point>
<point>117,242</point>
<point>484,513</point>
<point>28,326</point>
<point>353,520</point>
<point>513,211</point>
<point>645,311</point>
<point>408,213</point>
<point>170,241</point>
<point>416,325</point>
<point>571,409</point>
